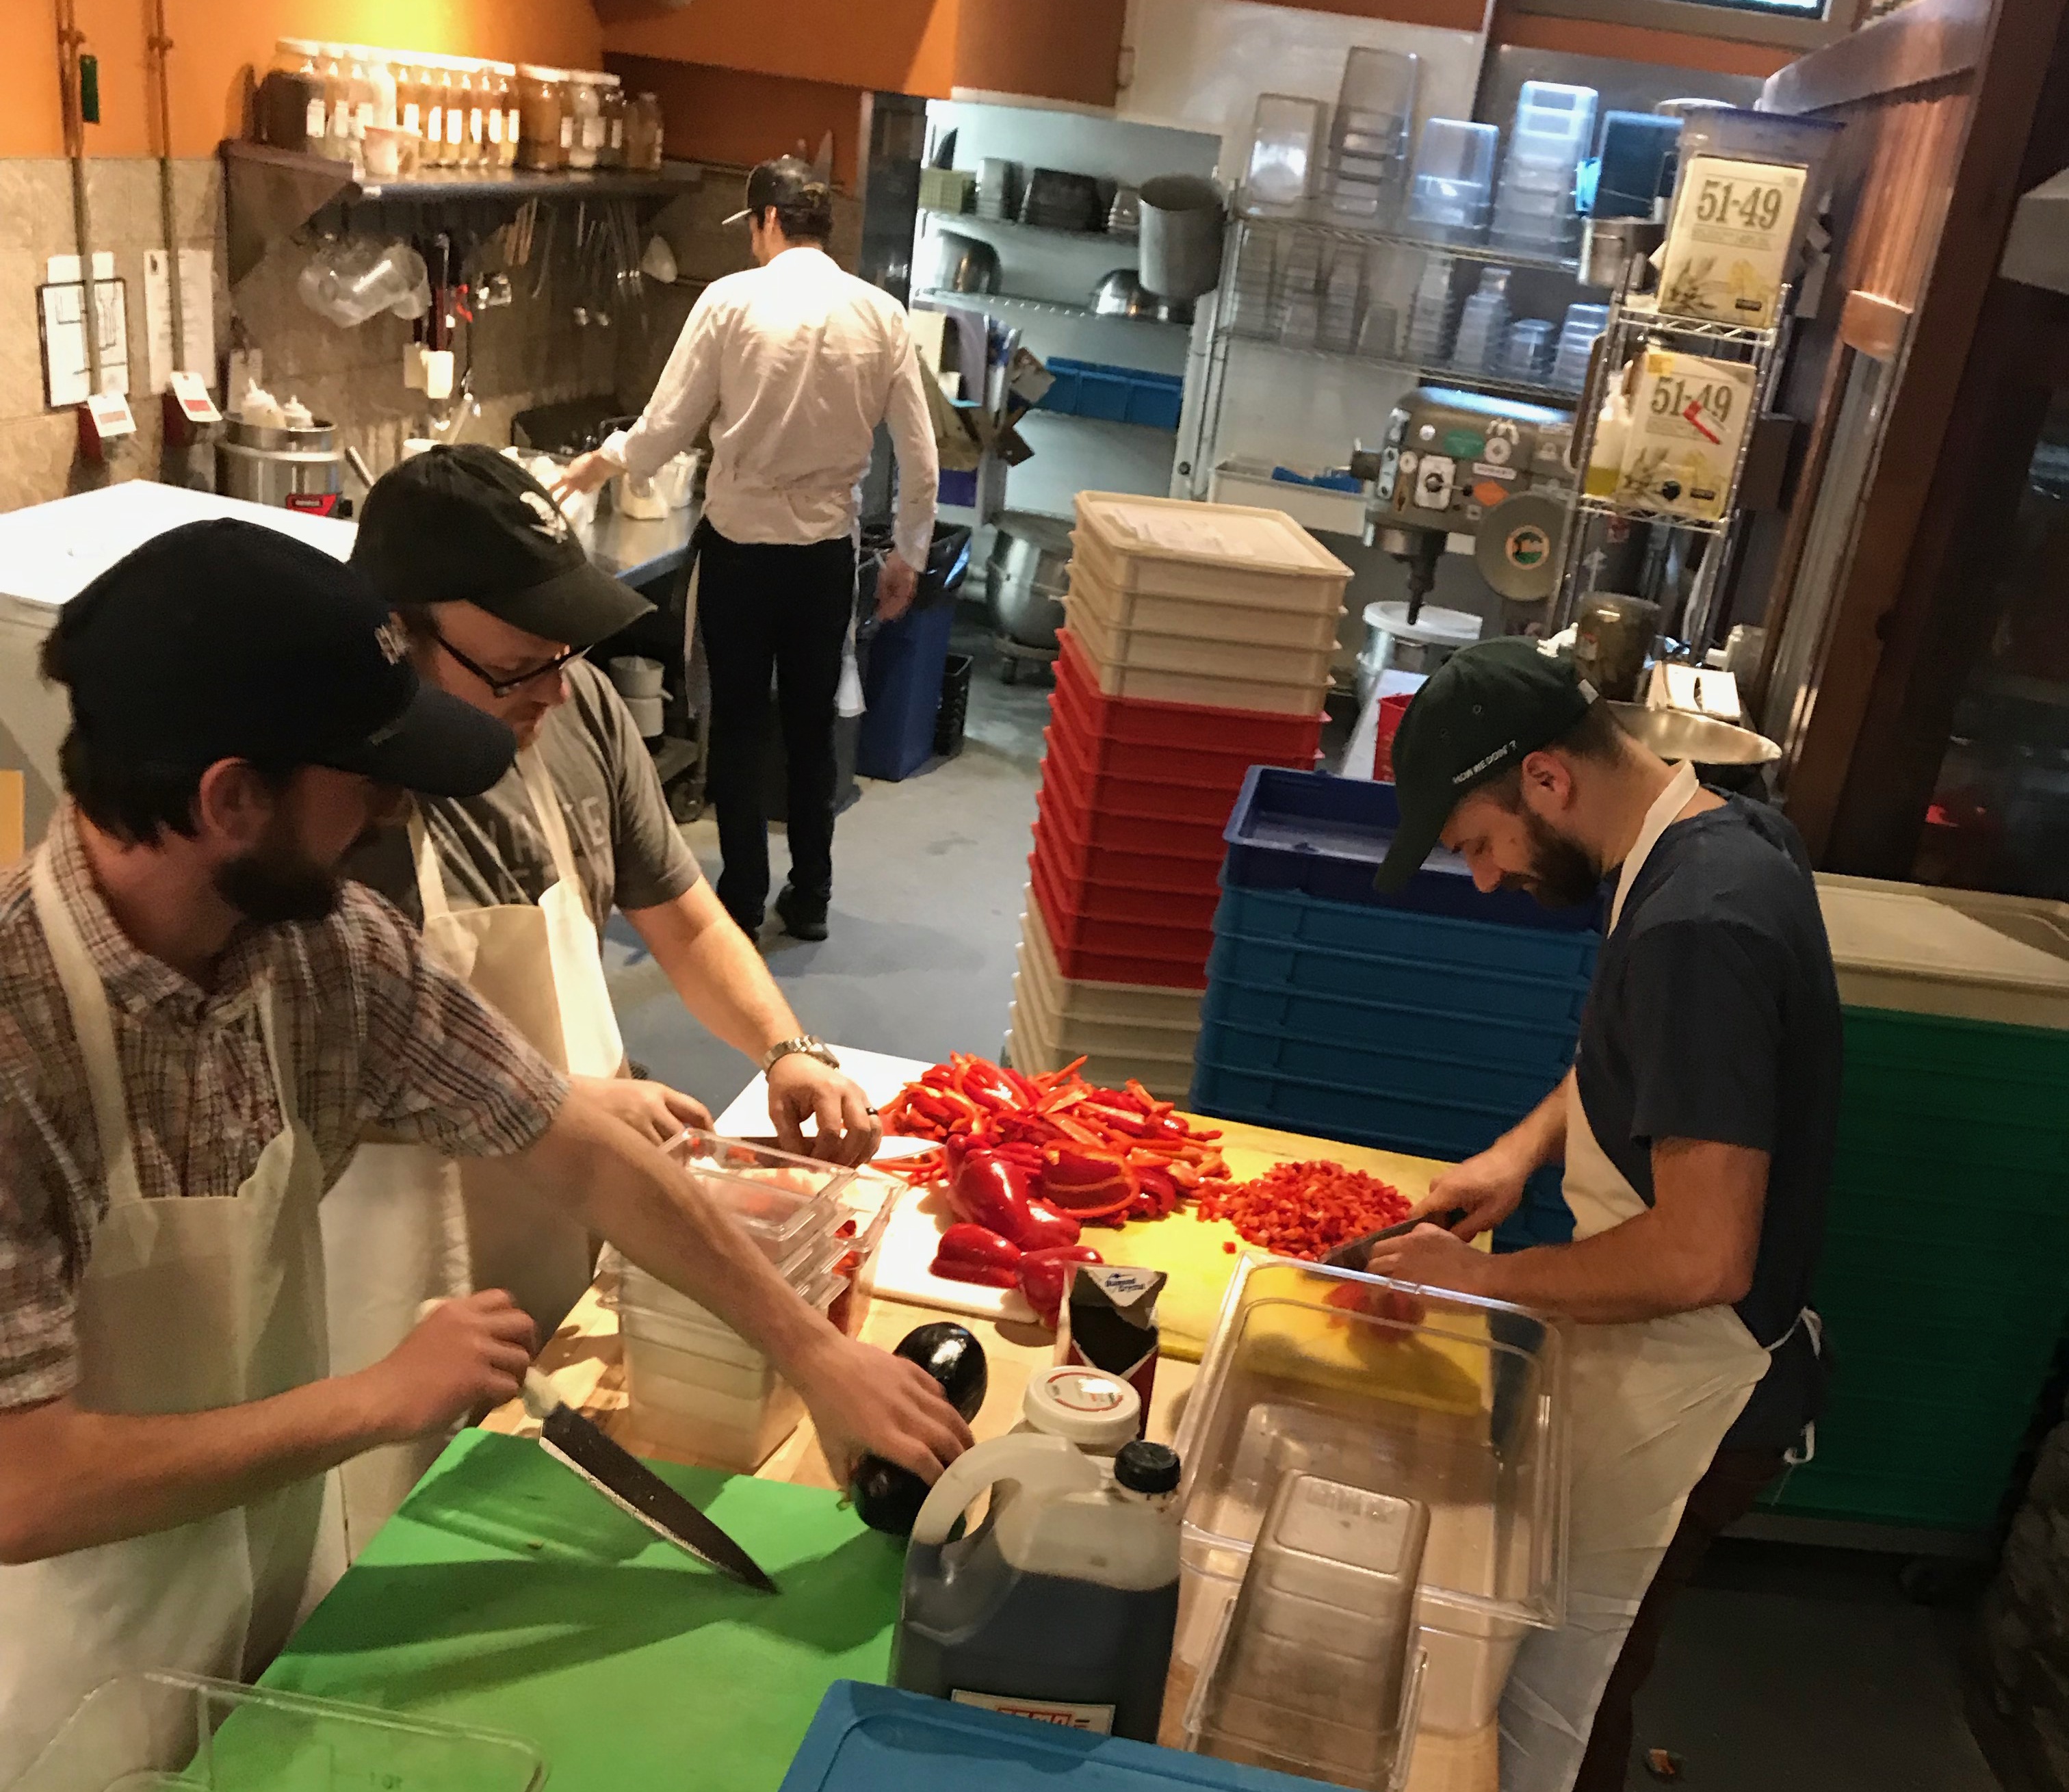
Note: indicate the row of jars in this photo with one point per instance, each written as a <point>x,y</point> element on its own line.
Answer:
<point>394,115</point>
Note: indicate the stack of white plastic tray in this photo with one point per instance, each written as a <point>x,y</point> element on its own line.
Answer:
<point>693,1382</point>
<point>1121,1029</point>
<point>1218,605</point>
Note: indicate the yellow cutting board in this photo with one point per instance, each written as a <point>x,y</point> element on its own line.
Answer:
<point>1194,1253</point>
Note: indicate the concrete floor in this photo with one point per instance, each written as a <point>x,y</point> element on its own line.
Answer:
<point>1784,1670</point>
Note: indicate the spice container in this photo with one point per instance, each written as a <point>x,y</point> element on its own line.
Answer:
<point>505,123</point>
<point>470,78</point>
<point>440,146</point>
<point>289,113</point>
<point>542,110</point>
<point>409,111</point>
<point>337,104</point>
<point>612,155</point>
<point>643,132</point>
<point>380,66</point>
<point>586,112</point>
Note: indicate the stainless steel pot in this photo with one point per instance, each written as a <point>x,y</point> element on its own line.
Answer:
<point>1181,235</point>
<point>270,466</point>
<point>1029,556</point>
<point>963,263</point>
<point>1121,294</point>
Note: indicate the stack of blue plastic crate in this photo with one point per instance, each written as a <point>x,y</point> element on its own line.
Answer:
<point>1429,1022</point>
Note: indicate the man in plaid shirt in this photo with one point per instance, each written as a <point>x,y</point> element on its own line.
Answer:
<point>198,1019</point>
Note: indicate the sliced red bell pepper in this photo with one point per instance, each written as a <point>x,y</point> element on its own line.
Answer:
<point>1088,1185</point>
<point>971,1254</point>
<point>1044,1275</point>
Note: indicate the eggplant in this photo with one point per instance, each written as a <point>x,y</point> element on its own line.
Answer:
<point>886,1497</point>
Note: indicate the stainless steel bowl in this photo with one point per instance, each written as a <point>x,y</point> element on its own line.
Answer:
<point>1120,295</point>
<point>1029,555</point>
<point>963,263</point>
<point>1675,734</point>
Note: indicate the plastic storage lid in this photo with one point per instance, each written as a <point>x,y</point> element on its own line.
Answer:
<point>1094,1410</point>
<point>1961,954</point>
<point>1226,535</point>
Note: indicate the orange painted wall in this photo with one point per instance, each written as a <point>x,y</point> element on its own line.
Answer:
<point>727,115</point>
<point>216,43</point>
<point>898,46</point>
<point>1057,49</point>
<point>1455,15</point>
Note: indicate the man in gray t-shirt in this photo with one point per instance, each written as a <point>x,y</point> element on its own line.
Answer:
<point>497,599</point>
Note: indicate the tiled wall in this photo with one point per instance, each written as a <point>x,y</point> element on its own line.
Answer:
<point>531,352</point>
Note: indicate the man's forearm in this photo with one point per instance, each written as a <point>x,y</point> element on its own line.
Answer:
<point>716,970</point>
<point>70,1479</point>
<point>660,1216</point>
<point>1539,1137</point>
<point>1638,1270</point>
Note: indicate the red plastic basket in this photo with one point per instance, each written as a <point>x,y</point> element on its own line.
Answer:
<point>1118,952</point>
<point>1182,874</point>
<point>1391,710</point>
<point>1262,736</point>
<point>1154,798</point>
<point>1073,711</point>
<point>1122,902</point>
<point>1121,817</point>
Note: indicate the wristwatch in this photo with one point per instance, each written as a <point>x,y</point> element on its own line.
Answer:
<point>805,1042</point>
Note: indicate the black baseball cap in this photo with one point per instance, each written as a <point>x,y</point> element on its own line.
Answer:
<point>468,525</point>
<point>1481,712</point>
<point>787,182</point>
<point>230,640</point>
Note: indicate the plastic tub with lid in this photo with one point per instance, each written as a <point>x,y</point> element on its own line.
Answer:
<point>1150,1006</point>
<point>1452,1401</point>
<point>771,1193</point>
<point>1174,547</point>
<point>1115,1029</point>
<point>1235,689</point>
<point>1964,954</point>
<point>1207,619</point>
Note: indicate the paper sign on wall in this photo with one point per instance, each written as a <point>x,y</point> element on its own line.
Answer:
<point>63,306</point>
<point>196,315</point>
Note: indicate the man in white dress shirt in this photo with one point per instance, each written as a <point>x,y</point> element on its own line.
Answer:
<point>793,363</point>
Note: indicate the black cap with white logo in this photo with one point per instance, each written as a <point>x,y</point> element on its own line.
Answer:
<point>467,525</point>
<point>230,640</point>
<point>789,184</point>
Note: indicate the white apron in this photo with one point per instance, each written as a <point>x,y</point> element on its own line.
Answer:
<point>1648,1403</point>
<point>188,1304</point>
<point>405,1225</point>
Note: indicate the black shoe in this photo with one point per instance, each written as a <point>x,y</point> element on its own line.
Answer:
<point>802,919</point>
<point>752,928</point>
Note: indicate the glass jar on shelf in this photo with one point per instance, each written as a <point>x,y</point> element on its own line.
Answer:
<point>505,139</point>
<point>380,66</point>
<point>360,91</point>
<point>612,152</point>
<point>542,110</point>
<point>410,111</point>
<point>438,151</point>
<point>470,77</point>
<point>643,132</point>
<point>289,113</point>
<point>337,104</point>
<point>586,109</point>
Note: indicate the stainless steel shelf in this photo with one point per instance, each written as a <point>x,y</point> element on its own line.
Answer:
<point>1404,239</point>
<point>1699,329</point>
<point>1049,307</point>
<point>1557,398</point>
<point>957,219</point>
<point>1640,513</point>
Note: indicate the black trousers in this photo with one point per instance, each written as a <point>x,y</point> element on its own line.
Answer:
<point>1725,1494</point>
<point>762,608</point>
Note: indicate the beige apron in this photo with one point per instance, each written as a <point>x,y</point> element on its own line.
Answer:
<point>1648,1403</point>
<point>405,1225</point>
<point>188,1304</point>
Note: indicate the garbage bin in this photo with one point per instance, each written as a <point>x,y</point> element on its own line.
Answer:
<point>901,680</point>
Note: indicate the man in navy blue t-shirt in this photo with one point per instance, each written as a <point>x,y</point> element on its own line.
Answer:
<point>1696,1128</point>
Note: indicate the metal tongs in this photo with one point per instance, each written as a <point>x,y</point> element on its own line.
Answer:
<point>1353,1256</point>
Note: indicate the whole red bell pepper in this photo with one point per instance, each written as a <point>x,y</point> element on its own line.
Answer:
<point>1044,1275</point>
<point>971,1254</point>
<point>991,1189</point>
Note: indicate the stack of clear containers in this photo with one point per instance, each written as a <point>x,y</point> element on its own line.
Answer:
<point>1452,1401</point>
<point>1287,144</point>
<point>1526,351</point>
<point>1483,324</point>
<point>1534,208</point>
<point>1367,169</point>
<point>1253,296</point>
<point>1336,330</point>
<point>694,1384</point>
<point>1576,340</point>
<point>1300,316</point>
<point>1433,318</point>
<point>1318,1669</point>
<point>1453,184</point>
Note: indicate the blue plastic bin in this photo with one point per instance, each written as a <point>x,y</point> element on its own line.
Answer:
<point>1423,1124</point>
<point>1405,933</point>
<point>1326,836</point>
<point>1397,1064</point>
<point>1114,394</point>
<point>1497,995</point>
<point>903,688</point>
<point>1541,1049</point>
<point>1155,400</point>
<point>878,1739</point>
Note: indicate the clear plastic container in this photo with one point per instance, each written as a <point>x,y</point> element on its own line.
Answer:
<point>645,132</point>
<point>1482,323</point>
<point>337,103</point>
<point>807,1262</point>
<point>1526,350</point>
<point>1288,136</point>
<point>779,1199</point>
<point>585,113</point>
<point>1450,192</point>
<point>1449,1400</point>
<point>159,1729</point>
<point>289,111</point>
<point>1433,317</point>
<point>1369,134</point>
<point>1317,1670</point>
<point>542,112</point>
<point>1576,340</point>
<point>1534,207</point>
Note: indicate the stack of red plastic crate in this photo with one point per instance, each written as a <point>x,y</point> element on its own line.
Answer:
<point>1199,644</point>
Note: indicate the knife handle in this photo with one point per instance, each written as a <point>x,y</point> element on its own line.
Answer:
<point>541,1398</point>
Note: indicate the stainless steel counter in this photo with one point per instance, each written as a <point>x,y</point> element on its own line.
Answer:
<point>639,552</point>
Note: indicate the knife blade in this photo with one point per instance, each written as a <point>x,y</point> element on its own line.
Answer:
<point>889,1150</point>
<point>632,1486</point>
<point>1353,1256</point>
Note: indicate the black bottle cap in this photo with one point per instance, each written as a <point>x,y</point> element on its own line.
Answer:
<point>1146,1468</point>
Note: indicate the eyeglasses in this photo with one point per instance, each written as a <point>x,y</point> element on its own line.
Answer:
<point>500,685</point>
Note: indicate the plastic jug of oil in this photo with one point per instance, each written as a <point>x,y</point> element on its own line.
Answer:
<point>1061,1605</point>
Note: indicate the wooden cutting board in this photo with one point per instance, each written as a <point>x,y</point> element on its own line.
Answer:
<point>1198,1257</point>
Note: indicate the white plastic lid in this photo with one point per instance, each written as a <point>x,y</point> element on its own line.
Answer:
<point>1436,627</point>
<point>1088,1407</point>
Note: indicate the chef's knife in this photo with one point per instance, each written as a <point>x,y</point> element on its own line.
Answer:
<point>1353,1256</point>
<point>630,1484</point>
<point>890,1150</point>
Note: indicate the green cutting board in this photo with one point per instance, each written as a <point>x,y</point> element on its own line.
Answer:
<point>508,1594</point>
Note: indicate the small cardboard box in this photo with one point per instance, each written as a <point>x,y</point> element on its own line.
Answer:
<point>1109,1323</point>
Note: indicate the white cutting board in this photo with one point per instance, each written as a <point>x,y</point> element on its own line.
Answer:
<point>900,1271</point>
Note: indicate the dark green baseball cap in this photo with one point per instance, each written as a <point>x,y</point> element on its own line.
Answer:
<point>1481,712</point>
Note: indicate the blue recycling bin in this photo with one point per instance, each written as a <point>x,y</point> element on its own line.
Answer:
<point>901,677</point>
